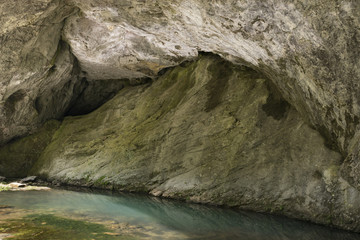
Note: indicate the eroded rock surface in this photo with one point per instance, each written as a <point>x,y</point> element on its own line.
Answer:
<point>209,132</point>
<point>54,55</point>
<point>33,63</point>
<point>309,50</point>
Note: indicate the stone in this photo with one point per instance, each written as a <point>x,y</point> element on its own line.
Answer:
<point>29,179</point>
<point>2,179</point>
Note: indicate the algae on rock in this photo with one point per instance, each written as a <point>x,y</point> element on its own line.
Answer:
<point>47,226</point>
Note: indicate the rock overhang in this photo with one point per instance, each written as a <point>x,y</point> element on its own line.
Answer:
<point>308,50</point>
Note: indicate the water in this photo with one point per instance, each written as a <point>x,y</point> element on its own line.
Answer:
<point>152,218</point>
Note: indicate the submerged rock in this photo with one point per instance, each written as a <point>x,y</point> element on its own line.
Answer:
<point>5,207</point>
<point>55,227</point>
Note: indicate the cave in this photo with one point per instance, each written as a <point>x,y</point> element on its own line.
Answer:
<point>239,104</point>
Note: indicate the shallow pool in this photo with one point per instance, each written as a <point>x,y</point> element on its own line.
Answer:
<point>143,217</point>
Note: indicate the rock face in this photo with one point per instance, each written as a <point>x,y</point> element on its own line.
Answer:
<point>18,157</point>
<point>40,79</point>
<point>36,68</point>
<point>309,50</point>
<point>68,57</point>
<point>208,132</point>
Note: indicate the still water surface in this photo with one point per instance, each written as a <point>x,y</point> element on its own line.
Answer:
<point>153,218</point>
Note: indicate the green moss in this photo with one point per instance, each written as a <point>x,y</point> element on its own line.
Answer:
<point>101,181</point>
<point>17,157</point>
<point>44,227</point>
<point>113,135</point>
<point>4,188</point>
<point>171,89</point>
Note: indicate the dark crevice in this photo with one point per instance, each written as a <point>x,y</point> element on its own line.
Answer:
<point>329,139</point>
<point>204,53</point>
<point>164,70</point>
<point>37,104</point>
<point>89,95</point>
<point>276,107</point>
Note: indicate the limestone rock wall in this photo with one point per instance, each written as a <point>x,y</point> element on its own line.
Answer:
<point>209,132</point>
<point>308,49</point>
<point>33,62</point>
<point>54,53</point>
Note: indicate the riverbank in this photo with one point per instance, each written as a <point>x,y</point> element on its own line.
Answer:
<point>25,184</point>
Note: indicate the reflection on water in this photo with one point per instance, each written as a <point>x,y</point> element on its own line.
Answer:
<point>169,219</point>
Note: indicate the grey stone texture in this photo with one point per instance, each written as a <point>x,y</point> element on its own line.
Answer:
<point>68,57</point>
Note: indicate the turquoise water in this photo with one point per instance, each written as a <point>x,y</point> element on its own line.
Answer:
<point>154,218</point>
